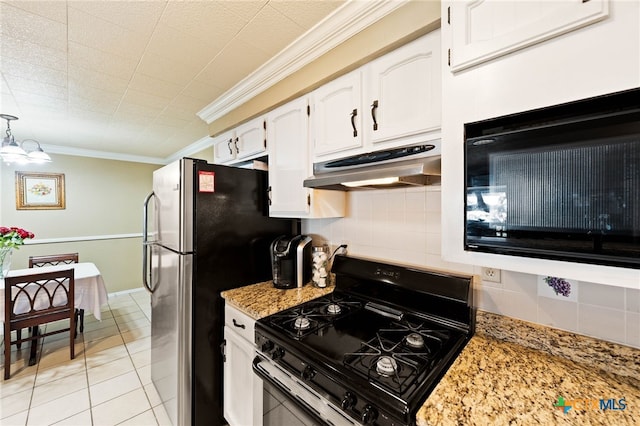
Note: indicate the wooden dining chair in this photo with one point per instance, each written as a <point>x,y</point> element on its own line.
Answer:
<point>59,259</point>
<point>35,299</point>
<point>53,260</point>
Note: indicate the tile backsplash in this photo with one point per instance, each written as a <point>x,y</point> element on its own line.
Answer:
<point>403,226</point>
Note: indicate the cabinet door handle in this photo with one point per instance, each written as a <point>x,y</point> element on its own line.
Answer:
<point>229,146</point>
<point>374,107</point>
<point>237,324</point>
<point>235,143</point>
<point>354,113</point>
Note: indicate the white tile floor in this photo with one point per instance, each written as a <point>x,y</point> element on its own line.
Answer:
<point>108,382</point>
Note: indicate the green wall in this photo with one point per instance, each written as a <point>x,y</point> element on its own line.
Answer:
<point>102,220</point>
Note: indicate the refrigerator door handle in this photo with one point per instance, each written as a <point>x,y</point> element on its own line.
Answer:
<point>146,245</point>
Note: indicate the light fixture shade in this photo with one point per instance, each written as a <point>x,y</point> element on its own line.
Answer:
<point>39,156</point>
<point>11,151</point>
<point>36,155</point>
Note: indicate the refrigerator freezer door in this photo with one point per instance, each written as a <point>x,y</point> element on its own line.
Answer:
<point>173,189</point>
<point>171,367</point>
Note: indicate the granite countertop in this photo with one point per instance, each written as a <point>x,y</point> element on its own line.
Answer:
<point>510,372</point>
<point>513,372</point>
<point>263,299</point>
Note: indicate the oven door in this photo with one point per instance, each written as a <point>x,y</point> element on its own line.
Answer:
<point>307,399</point>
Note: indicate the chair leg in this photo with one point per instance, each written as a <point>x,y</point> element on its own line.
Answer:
<point>19,336</point>
<point>34,345</point>
<point>79,317</point>
<point>7,352</point>
<point>72,326</point>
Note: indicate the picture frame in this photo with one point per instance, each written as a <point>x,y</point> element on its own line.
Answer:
<point>40,191</point>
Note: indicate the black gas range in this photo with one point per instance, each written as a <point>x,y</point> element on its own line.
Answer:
<point>371,351</point>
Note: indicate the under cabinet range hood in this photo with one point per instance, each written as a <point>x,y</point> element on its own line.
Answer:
<point>416,165</point>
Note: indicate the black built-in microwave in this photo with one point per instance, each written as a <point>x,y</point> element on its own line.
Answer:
<point>561,182</point>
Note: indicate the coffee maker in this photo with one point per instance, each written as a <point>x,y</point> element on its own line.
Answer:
<point>291,261</point>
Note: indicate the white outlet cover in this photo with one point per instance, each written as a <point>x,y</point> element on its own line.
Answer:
<point>545,290</point>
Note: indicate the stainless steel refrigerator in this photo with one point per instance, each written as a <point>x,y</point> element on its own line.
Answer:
<point>206,230</point>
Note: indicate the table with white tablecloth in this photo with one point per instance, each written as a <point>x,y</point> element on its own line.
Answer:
<point>90,292</point>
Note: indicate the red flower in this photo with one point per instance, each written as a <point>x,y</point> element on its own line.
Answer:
<point>13,236</point>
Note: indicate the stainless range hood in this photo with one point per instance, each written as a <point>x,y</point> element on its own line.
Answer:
<point>417,165</point>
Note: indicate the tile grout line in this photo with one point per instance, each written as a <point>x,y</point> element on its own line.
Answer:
<point>84,347</point>
<point>135,369</point>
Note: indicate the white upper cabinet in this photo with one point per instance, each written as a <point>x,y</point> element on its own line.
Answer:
<point>251,138</point>
<point>224,150</point>
<point>389,102</point>
<point>245,142</point>
<point>403,94</point>
<point>337,114</point>
<point>290,165</point>
<point>482,30</point>
<point>287,129</point>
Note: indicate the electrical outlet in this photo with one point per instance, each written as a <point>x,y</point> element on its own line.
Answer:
<point>491,274</point>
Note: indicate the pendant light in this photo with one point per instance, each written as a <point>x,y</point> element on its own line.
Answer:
<point>11,152</point>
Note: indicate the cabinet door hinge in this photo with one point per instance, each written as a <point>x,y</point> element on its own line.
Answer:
<point>264,126</point>
<point>449,57</point>
<point>449,15</point>
<point>222,350</point>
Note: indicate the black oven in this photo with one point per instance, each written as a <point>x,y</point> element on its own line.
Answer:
<point>371,351</point>
<point>561,182</point>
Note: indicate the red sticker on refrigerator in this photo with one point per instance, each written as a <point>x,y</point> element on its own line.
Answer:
<point>206,181</point>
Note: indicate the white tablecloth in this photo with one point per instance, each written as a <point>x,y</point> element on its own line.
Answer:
<point>90,291</point>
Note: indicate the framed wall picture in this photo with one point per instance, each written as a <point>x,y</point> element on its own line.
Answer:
<point>39,191</point>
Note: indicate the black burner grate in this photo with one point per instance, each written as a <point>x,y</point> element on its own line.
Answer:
<point>313,316</point>
<point>394,358</point>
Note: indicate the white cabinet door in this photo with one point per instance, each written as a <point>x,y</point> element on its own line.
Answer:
<point>484,30</point>
<point>392,101</point>
<point>337,115</point>
<point>245,142</point>
<point>287,131</point>
<point>224,150</point>
<point>290,165</point>
<point>250,138</point>
<point>403,92</point>
<point>243,400</point>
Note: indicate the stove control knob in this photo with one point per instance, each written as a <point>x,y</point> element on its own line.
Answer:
<point>308,373</point>
<point>266,346</point>
<point>348,401</point>
<point>277,354</point>
<point>369,415</point>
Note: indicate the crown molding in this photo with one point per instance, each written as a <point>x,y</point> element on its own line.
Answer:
<point>81,152</point>
<point>345,22</point>
<point>195,147</point>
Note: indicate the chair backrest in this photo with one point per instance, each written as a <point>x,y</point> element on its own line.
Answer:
<point>53,259</point>
<point>39,298</point>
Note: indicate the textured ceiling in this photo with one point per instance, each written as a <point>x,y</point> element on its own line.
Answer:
<point>129,76</point>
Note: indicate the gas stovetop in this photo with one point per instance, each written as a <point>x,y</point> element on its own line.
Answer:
<point>378,344</point>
